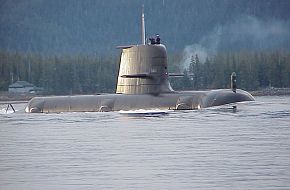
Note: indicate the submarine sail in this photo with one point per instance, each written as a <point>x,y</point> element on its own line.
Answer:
<point>143,70</point>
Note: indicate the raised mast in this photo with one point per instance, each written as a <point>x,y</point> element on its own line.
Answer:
<point>143,27</point>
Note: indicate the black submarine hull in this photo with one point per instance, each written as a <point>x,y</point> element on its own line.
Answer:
<point>185,100</point>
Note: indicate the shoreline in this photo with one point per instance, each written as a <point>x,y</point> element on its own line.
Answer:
<point>271,92</point>
<point>7,97</point>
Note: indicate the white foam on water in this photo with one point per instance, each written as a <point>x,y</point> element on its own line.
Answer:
<point>9,111</point>
<point>144,111</point>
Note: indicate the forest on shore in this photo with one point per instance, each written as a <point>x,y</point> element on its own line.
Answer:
<point>68,46</point>
<point>81,74</point>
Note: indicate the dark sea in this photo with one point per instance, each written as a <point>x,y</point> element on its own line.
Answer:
<point>213,148</point>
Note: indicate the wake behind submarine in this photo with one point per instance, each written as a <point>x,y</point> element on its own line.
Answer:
<point>142,84</point>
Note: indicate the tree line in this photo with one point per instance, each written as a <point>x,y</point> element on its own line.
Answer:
<point>254,70</point>
<point>78,74</point>
<point>81,74</point>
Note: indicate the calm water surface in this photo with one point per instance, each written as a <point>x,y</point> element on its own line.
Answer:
<point>213,148</point>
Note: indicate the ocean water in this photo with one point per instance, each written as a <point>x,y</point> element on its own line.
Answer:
<point>214,148</point>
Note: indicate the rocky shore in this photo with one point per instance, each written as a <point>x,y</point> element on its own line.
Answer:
<point>271,92</point>
<point>7,97</point>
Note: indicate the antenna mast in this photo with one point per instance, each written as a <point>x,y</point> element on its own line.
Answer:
<point>143,26</point>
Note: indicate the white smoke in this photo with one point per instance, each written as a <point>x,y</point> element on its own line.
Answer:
<point>206,47</point>
<point>245,32</point>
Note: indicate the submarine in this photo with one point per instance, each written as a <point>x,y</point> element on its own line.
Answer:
<point>142,84</point>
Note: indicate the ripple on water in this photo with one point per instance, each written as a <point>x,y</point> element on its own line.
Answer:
<point>213,148</point>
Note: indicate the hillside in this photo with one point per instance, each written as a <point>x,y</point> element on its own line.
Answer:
<point>97,26</point>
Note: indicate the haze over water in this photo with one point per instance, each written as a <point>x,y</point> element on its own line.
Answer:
<point>214,148</point>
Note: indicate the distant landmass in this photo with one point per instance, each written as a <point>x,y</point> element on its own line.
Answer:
<point>97,26</point>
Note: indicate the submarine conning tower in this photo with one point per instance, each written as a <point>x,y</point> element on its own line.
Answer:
<point>143,70</point>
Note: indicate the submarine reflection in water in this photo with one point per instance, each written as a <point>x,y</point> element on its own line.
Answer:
<point>142,84</point>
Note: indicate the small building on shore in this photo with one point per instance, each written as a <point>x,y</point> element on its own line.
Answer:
<point>22,87</point>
